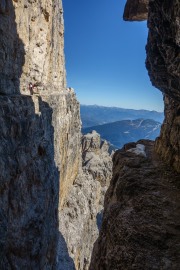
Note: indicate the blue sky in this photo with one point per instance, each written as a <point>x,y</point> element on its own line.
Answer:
<point>105,56</point>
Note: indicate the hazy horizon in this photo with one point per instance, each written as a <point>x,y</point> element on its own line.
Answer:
<point>119,107</point>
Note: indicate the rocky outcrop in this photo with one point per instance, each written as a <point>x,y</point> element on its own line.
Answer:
<point>78,223</point>
<point>81,213</point>
<point>97,159</point>
<point>141,215</point>
<point>136,10</point>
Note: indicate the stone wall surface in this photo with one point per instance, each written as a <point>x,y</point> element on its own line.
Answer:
<point>67,137</point>
<point>31,46</point>
<point>163,47</point>
<point>34,154</point>
<point>29,184</point>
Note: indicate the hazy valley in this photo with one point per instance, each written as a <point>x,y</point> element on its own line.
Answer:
<point>94,115</point>
<point>127,129</point>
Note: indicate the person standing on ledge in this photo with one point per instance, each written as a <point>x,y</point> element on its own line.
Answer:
<point>31,88</point>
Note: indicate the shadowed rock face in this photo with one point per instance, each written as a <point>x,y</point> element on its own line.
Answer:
<point>140,228</point>
<point>136,10</point>
<point>163,50</point>
<point>29,184</point>
<point>168,144</point>
<point>163,47</point>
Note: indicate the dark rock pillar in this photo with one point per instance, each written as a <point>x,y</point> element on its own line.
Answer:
<point>163,52</point>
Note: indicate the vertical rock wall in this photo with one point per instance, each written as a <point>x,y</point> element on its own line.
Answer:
<point>39,135</point>
<point>36,155</point>
<point>163,52</point>
<point>168,144</point>
<point>29,184</point>
<point>163,46</point>
<point>49,205</point>
<point>32,45</point>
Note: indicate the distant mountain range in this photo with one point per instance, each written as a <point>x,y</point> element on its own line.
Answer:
<point>120,132</point>
<point>93,115</point>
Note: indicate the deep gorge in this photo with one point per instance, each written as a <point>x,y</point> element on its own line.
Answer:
<point>53,180</point>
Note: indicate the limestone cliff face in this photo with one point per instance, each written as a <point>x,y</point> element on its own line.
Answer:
<point>67,137</point>
<point>39,135</point>
<point>29,184</point>
<point>32,45</point>
<point>39,141</point>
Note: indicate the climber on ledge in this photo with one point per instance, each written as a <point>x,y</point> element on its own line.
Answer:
<point>31,86</point>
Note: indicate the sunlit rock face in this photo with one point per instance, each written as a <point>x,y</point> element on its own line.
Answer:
<point>162,62</point>
<point>136,10</point>
<point>31,46</point>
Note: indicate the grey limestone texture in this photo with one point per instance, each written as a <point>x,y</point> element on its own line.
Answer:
<point>40,138</point>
